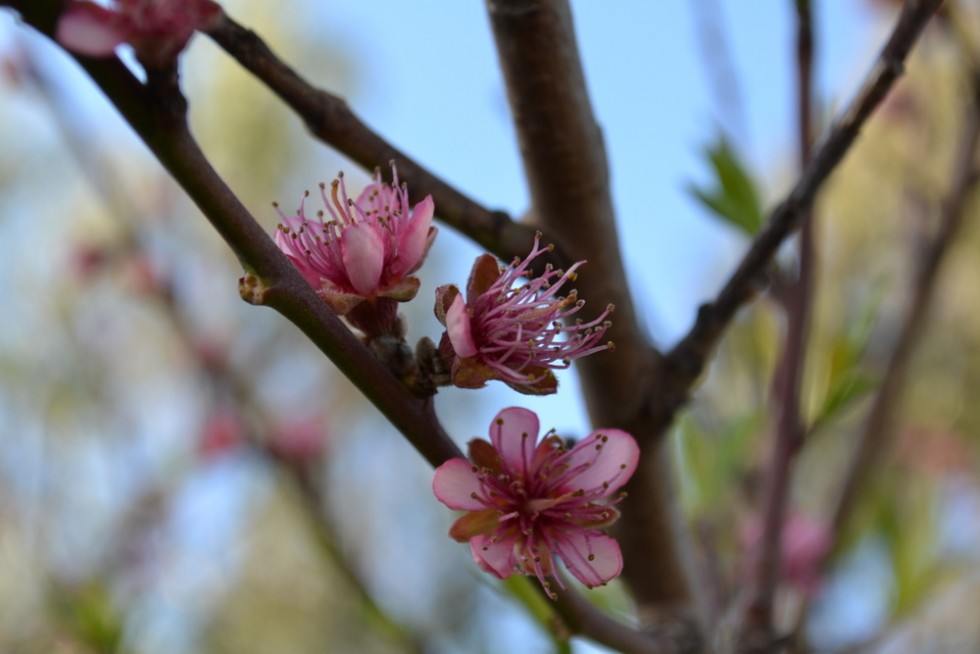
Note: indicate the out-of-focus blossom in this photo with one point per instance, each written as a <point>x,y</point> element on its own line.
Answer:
<point>298,441</point>
<point>361,251</point>
<point>222,433</point>
<point>805,543</point>
<point>515,332</point>
<point>527,502</point>
<point>157,29</point>
<point>934,451</point>
<point>87,260</point>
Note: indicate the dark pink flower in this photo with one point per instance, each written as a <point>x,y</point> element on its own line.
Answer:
<point>528,502</point>
<point>157,29</point>
<point>363,249</point>
<point>512,331</point>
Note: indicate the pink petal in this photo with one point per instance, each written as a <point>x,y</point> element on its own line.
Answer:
<point>459,329</point>
<point>90,30</point>
<point>514,433</point>
<point>292,248</point>
<point>495,557</point>
<point>595,462</point>
<point>454,484</point>
<point>593,558</point>
<point>414,241</point>
<point>363,253</point>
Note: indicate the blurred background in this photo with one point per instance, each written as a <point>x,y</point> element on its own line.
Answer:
<point>182,472</point>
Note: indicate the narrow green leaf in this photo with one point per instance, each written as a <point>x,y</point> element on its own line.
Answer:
<point>732,196</point>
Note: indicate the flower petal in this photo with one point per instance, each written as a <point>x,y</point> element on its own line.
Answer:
<point>592,557</point>
<point>547,383</point>
<point>514,433</point>
<point>459,329</point>
<point>455,483</point>
<point>414,241</point>
<point>470,373</point>
<point>483,455</point>
<point>603,461</point>
<point>485,272</point>
<point>91,30</point>
<point>475,523</point>
<point>363,253</point>
<point>445,296</point>
<point>495,557</point>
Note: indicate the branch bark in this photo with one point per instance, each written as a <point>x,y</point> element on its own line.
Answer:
<point>332,121</point>
<point>565,164</point>
<point>686,361</point>
<point>157,113</point>
<point>796,298</point>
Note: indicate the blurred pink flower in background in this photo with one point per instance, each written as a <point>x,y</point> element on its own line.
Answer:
<point>221,434</point>
<point>157,29</point>
<point>298,441</point>
<point>805,543</point>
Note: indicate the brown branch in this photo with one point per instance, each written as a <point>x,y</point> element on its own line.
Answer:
<point>330,120</point>
<point>297,473</point>
<point>157,112</point>
<point>686,361</point>
<point>565,164</point>
<point>797,300</point>
<point>676,638</point>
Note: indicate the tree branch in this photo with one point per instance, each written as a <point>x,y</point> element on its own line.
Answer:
<point>686,361</point>
<point>157,113</point>
<point>565,164</point>
<point>330,120</point>
<point>797,299</point>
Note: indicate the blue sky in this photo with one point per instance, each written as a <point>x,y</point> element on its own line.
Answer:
<point>430,84</point>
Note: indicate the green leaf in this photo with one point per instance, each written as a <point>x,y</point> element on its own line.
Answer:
<point>846,389</point>
<point>847,382</point>
<point>733,196</point>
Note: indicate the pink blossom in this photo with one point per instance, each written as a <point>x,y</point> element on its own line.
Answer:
<point>517,333</point>
<point>364,249</point>
<point>298,441</point>
<point>157,29</point>
<point>527,503</point>
<point>221,433</point>
<point>805,543</point>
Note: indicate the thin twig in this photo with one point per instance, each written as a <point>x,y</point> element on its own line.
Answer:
<point>687,359</point>
<point>157,112</point>
<point>797,299</point>
<point>239,388</point>
<point>330,119</point>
